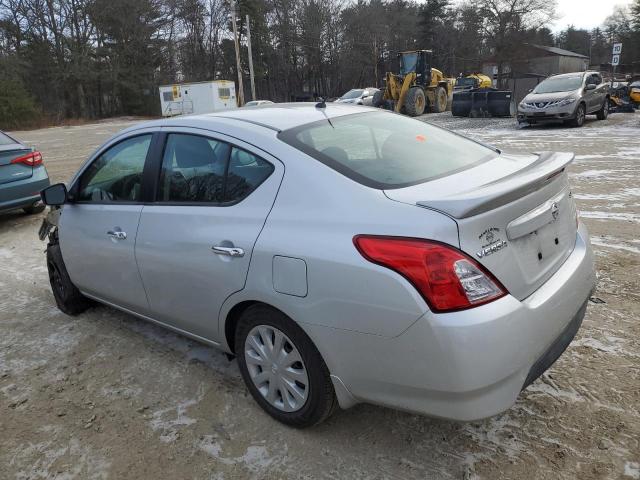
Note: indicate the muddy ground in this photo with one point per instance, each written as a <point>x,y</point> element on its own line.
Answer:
<point>105,395</point>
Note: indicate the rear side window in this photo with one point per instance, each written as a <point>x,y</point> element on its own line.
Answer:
<point>386,151</point>
<point>196,169</point>
<point>246,172</point>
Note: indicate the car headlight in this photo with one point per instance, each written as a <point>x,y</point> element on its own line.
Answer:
<point>567,101</point>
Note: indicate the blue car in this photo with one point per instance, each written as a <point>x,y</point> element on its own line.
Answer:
<point>22,176</point>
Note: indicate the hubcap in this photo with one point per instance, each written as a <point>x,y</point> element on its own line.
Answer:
<point>276,368</point>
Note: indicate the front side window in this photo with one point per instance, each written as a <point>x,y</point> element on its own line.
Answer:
<point>196,169</point>
<point>116,175</point>
<point>384,151</point>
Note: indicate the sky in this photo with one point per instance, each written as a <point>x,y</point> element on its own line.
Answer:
<point>584,13</point>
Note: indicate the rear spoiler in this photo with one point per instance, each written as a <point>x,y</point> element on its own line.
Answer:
<point>505,190</point>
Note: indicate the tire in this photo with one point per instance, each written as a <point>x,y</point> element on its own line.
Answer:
<point>415,102</point>
<point>259,322</point>
<point>578,120</point>
<point>67,296</point>
<point>35,208</point>
<point>603,113</point>
<point>440,103</point>
<point>377,100</point>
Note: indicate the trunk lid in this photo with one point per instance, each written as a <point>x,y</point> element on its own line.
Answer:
<point>515,215</point>
<point>11,172</point>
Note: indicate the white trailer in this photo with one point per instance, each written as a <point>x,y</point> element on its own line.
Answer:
<point>199,97</point>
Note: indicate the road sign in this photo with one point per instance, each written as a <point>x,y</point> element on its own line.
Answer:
<point>617,48</point>
<point>615,60</point>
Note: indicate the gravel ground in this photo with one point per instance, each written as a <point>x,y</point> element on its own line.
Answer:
<point>105,395</point>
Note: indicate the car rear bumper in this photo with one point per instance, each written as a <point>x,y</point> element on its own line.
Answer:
<point>23,193</point>
<point>471,364</point>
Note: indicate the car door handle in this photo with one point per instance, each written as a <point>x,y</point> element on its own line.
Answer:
<point>231,251</point>
<point>118,234</point>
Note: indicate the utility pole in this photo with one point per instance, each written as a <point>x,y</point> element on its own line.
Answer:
<point>237,44</point>
<point>375,60</point>
<point>253,82</point>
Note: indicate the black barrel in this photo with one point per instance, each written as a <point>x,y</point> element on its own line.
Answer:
<point>461,104</point>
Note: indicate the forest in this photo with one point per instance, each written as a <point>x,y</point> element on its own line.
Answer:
<point>82,59</point>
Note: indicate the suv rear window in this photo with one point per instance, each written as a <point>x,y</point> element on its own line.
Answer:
<point>386,151</point>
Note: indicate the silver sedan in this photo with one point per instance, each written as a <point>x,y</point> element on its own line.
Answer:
<point>342,254</point>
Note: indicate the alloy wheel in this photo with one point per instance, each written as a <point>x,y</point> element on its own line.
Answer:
<point>276,368</point>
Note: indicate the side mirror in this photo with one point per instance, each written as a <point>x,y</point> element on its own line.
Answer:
<point>590,86</point>
<point>54,195</point>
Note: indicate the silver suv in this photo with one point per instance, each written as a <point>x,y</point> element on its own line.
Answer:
<point>566,98</point>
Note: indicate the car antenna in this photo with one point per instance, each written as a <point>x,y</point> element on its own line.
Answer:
<point>322,105</point>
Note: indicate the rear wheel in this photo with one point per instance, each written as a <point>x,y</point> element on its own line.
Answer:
<point>67,296</point>
<point>440,100</point>
<point>415,102</point>
<point>578,120</point>
<point>603,113</point>
<point>282,368</point>
<point>36,207</point>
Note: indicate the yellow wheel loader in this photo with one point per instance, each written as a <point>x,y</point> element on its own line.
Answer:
<point>417,89</point>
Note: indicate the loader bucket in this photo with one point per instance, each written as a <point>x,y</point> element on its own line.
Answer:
<point>485,102</point>
<point>461,103</point>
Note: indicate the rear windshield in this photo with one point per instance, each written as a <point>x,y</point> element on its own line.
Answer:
<point>6,139</point>
<point>352,94</point>
<point>559,84</point>
<point>385,151</point>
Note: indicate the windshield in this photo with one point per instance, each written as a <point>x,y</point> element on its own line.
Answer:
<point>466,82</point>
<point>352,94</point>
<point>384,151</point>
<point>6,139</point>
<point>408,63</point>
<point>559,84</point>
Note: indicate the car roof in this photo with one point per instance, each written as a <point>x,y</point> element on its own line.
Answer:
<point>277,116</point>
<point>572,74</point>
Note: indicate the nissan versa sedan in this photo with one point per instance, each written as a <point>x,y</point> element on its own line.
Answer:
<point>342,254</point>
<point>566,98</point>
<point>22,176</point>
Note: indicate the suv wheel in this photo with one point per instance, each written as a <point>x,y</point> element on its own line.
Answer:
<point>67,296</point>
<point>282,368</point>
<point>603,113</point>
<point>578,121</point>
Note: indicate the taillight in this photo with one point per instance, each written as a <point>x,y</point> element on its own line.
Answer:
<point>32,159</point>
<point>446,278</point>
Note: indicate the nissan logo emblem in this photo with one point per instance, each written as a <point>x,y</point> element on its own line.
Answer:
<point>555,210</point>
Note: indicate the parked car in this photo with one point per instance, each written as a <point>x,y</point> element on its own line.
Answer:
<point>358,96</point>
<point>566,98</point>
<point>438,276</point>
<point>22,176</point>
<point>256,103</point>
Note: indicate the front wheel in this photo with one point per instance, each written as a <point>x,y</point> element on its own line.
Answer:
<point>415,102</point>
<point>282,368</point>
<point>578,120</point>
<point>67,296</point>
<point>440,100</point>
<point>603,113</point>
